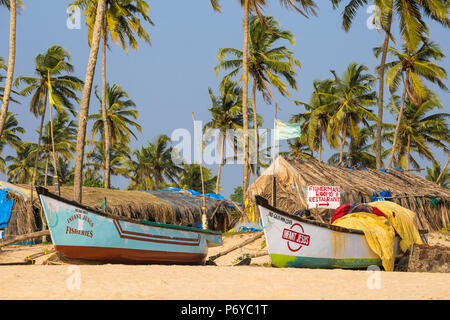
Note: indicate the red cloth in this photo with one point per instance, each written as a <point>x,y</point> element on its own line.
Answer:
<point>340,212</point>
<point>345,208</point>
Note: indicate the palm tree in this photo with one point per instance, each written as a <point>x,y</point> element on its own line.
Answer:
<point>410,16</point>
<point>85,100</point>
<point>419,130</point>
<point>120,115</point>
<point>153,165</point>
<point>359,154</point>
<point>60,144</point>
<point>304,7</point>
<point>314,124</point>
<point>2,89</point>
<point>267,64</point>
<point>347,104</point>
<point>121,22</point>
<point>226,112</point>
<point>191,178</point>
<point>20,169</point>
<point>10,136</point>
<point>408,68</point>
<point>53,82</point>
<point>12,6</point>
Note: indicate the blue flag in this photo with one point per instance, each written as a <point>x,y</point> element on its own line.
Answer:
<point>285,131</point>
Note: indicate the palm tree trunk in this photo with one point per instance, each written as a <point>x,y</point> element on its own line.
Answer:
<point>397,126</point>
<point>244,101</point>
<point>341,152</point>
<point>255,126</point>
<point>11,63</point>
<point>84,110</point>
<point>46,170</point>
<point>55,170</point>
<point>222,148</point>
<point>408,151</point>
<point>320,145</point>
<point>107,178</point>
<point>36,159</point>
<point>379,163</point>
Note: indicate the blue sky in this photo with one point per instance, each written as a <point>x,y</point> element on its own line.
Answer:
<point>169,79</point>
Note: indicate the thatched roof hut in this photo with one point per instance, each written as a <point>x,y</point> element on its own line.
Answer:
<point>170,207</point>
<point>430,201</point>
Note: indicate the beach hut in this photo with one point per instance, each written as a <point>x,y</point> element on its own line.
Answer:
<point>178,207</point>
<point>430,201</point>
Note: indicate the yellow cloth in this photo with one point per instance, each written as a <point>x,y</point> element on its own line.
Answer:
<point>380,231</point>
<point>404,222</point>
<point>380,236</point>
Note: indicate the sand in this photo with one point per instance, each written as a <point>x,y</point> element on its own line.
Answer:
<point>223,282</point>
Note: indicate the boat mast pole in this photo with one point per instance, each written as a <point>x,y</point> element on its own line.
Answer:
<point>200,151</point>
<point>274,181</point>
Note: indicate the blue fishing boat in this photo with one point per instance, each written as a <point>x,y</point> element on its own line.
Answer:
<point>82,233</point>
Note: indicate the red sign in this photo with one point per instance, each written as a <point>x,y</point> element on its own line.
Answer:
<point>295,237</point>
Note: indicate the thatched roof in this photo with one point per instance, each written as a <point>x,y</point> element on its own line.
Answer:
<point>161,206</point>
<point>406,188</point>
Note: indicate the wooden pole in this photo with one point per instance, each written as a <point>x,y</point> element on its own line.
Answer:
<point>25,237</point>
<point>204,220</point>
<point>250,240</point>
<point>274,181</point>
<point>443,170</point>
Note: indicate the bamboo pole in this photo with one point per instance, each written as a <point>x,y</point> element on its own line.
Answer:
<point>25,237</point>
<point>443,170</point>
<point>250,240</point>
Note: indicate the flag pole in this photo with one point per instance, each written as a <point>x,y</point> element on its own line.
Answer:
<point>204,220</point>
<point>274,182</point>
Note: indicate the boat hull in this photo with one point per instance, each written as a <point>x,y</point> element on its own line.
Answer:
<point>300,243</point>
<point>83,233</point>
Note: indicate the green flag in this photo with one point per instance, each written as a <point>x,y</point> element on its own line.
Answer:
<point>285,131</point>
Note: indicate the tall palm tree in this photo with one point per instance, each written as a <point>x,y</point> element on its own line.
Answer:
<point>419,129</point>
<point>226,112</point>
<point>85,100</point>
<point>2,89</point>
<point>52,82</point>
<point>12,6</point>
<point>408,69</point>
<point>347,104</point>
<point>121,22</point>
<point>304,7</point>
<point>410,16</point>
<point>268,65</point>
<point>153,165</point>
<point>314,124</point>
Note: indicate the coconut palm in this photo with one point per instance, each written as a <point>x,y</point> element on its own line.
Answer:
<point>2,89</point>
<point>121,22</point>
<point>268,65</point>
<point>347,104</point>
<point>20,168</point>
<point>120,115</point>
<point>191,178</point>
<point>304,7</point>
<point>408,68</point>
<point>10,136</point>
<point>419,129</point>
<point>410,16</point>
<point>85,100</point>
<point>226,113</point>
<point>153,165</point>
<point>314,124</point>
<point>53,82</point>
<point>359,154</point>
<point>61,145</point>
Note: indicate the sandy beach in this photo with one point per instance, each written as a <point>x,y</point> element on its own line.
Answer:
<point>222,282</point>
